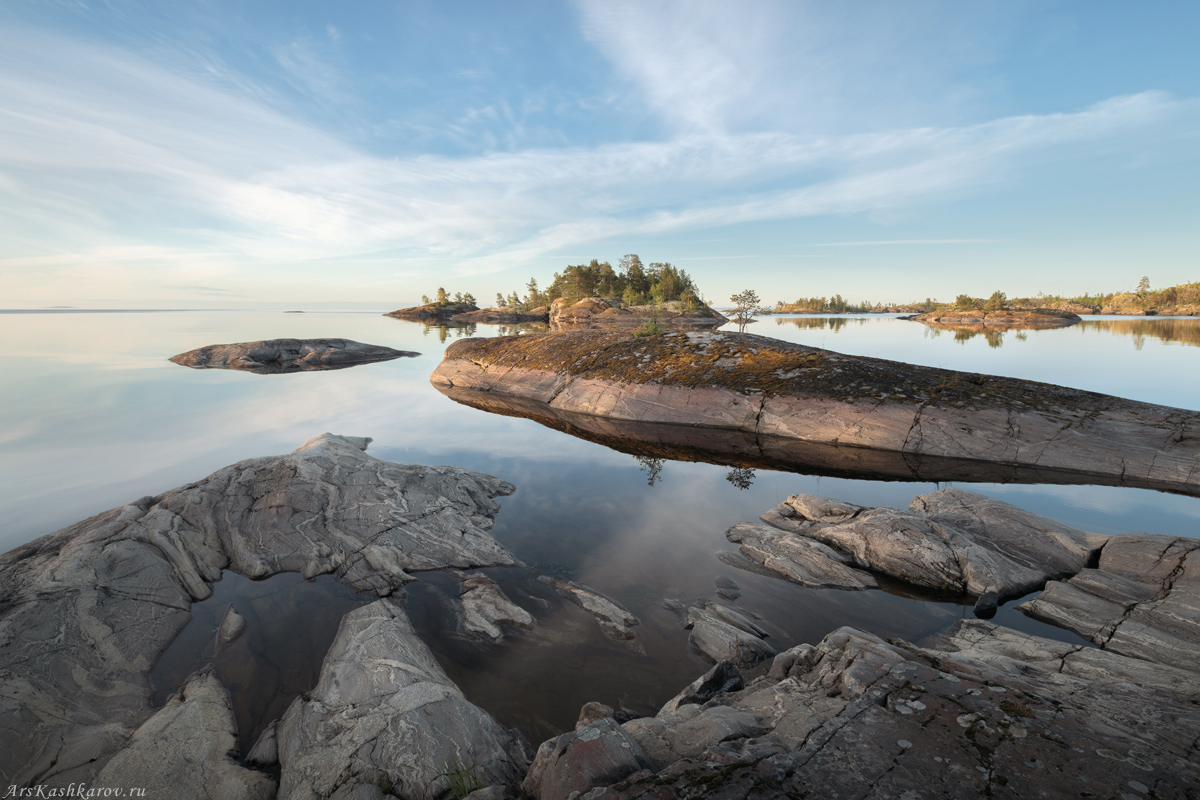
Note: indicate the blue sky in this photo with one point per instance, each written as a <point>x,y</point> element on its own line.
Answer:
<point>217,153</point>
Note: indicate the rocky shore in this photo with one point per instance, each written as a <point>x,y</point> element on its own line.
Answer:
<point>596,313</point>
<point>274,356</point>
<point>85,613</point>
<point>760,387</point>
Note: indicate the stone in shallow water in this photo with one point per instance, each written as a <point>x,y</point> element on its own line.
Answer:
<point>485,608</point>
<point>232,626</point>
<point>798,558</point>
<point>614,619</point>
<point>273,356</point>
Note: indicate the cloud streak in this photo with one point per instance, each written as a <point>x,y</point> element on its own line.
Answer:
<point>109,160</point>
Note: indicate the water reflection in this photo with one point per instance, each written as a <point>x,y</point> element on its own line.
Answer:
<point>1185,331</point>
<point>652,467</point>
<point>833,324</point>
<point>741,477</point>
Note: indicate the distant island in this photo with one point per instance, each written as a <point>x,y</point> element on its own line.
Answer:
<point>1182,300</point>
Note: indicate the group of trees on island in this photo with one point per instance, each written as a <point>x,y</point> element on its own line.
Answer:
<point>630,283</point>
<point>443,299</point>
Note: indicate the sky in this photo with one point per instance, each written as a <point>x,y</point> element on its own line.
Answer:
<point>234,154</point>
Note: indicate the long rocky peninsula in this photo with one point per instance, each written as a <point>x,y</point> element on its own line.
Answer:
<point>770,390</point>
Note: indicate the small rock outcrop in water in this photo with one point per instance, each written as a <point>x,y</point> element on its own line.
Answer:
<point>432,312</point>
<point>1142,600</point>
<point>596,313</point>
<point>986,712</point>
<point>231,627</point>
<point>485,608</point>
<point>724,633</point>
<point>274,356</point>
<point>798,558</point>
<point>768,388</point>
<point>616,622</point>
<point>950,540</point>
<point>85,612</point>
<point>385,715</point>
<point>1008,319</point>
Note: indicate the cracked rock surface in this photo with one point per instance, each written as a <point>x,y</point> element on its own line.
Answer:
<point>384,714</point>
<point>86,611</point>
<point>949,540</point>
<point>274,356</point>
<point>780,392</point>
<point>1142,600</point>
<point>987,711</point>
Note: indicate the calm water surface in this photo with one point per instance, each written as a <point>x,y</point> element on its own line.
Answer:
<point>93,415</point>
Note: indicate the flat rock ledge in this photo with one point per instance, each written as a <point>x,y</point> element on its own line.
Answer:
<point>951,541</point>
<point>770,389</point>
<point>274,356</point>
<point>1014,319</point>
<point>986,712</point>
<point>85,612</point>
<point>1142,600</point>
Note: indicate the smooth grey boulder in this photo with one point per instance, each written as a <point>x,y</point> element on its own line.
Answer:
<point>951,540</point>
<point>274,356</point>
<point>721,639</point>
<point>595,755</point>
<point>85,612</point>
<point>798,558</point>
<point>985,711</point>
<point>613,618</point>
<point>485,608</point>
<point>1142,600</point>
<point>182,752</point>
<point>384,713</point>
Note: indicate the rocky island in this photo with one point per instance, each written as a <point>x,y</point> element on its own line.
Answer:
<point>755,387</point>
<point>1003,319</point>
<point>274,356</point>
<point>596,313</point>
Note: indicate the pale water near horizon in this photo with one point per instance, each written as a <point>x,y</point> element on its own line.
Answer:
<point>92,415</point>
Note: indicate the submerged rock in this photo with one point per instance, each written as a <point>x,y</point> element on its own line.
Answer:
<point>1142,600</point>
<point>384,714</point>
<point>951,540</point>
<point>613,618</point>
<point>85,612</point>
<point>231,627</point>
<point>706,384</point>
<point>485,608</point>
<point>275,356</point>
<point>986,712</point>
<point>723,634</point>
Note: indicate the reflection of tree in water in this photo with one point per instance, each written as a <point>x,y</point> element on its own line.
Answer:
<point>652,467</point>
<point>834,324</point>
<point>994,337</point>
<point>741,477</point>
<point>443,331</point>
<point>1184,331</point>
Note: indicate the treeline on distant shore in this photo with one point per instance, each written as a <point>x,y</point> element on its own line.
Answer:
<point>1183,298</point>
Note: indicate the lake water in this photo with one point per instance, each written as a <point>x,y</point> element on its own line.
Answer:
<point>92,415</point>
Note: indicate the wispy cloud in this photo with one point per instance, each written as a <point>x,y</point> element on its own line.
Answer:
<point>111,161</point>
<point>910,241</point>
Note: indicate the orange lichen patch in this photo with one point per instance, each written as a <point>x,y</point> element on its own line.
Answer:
<point>757,365</point>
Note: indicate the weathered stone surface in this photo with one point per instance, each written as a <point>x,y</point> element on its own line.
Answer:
<point>385,713</point>
<point>265,751</point>
<point>231,627</point>
<point>987,712</point>
<point>715,635</point>
<point>723,677</point>
<point>86,611</point>
<point>432,312</point>
<point>182,752</point>
<point>1007,319</point>
<point>615,620</point>
<point>593,712</point>
<point>765,387</point>
<point>1142,600</point>
<point>274,356</point>
<point>951,540</point>
<point>798,558</point>
<point>596,313</point>
<point>598,754</point>
<point>485,608</point>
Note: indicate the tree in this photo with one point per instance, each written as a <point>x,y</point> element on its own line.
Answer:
<point>744,304</point>
<point>500,301</point>
<point>964,302</point>
<point>997,302</point>
<point>441,297</point>
<point>1143,286</point>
